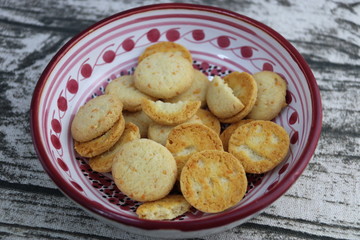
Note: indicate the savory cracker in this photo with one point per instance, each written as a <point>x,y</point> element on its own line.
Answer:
<point>144,170</point>
<point>103,143</point>
<point>166,208</point>
<point>245,88</point>
<point>103,162</point>
<point>271,98</point>
<point>259,145</point>
<point>170,47</point>
<point>189,138</point>
<point>124,88</point>
<point>221,100</point>
<point>96,117</point>
<point>163,75</point>
<point>170,113</point>
<point>213,181</point>
<point>197,91</point>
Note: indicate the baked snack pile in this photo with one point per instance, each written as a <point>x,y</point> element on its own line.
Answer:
<point>158,131</point>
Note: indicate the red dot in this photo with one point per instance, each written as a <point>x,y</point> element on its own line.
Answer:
<point>72,86</point>
<point>128,44</point>
<point>153,35</point>
<point>223,41</point>
<point>246,52</point>
<point>62,104</point>
<point>294,138</point>
<point>198,34</point>
<point>77,186</point>
<point>267,67</point>
<point>55,141</point>
<point>172,35</point>
<point>204,65</point>
<point>293,118</point>
<point>283,169</point>
<point>86,70</point>
<point>56,125</point>
<point>288,97</point>
<point>62,164</point>
<point>109,56</point>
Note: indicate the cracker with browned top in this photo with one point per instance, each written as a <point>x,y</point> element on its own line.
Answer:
<point>213,181</point>
<point>245,88</point>
<point>170,113</point>
<point>271,98</point>
<point>259,145</point>
<point>189,138</point>
<point>96,117</point>
<point>166,208</point>
<point>103,143</point>
<point>103,162</point>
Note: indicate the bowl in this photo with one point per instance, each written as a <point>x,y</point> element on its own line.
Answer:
<point>220,41</point>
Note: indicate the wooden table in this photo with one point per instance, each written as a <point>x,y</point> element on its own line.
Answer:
<point>323,204</point>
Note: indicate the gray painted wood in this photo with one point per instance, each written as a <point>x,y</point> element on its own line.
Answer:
<point>323,204</point>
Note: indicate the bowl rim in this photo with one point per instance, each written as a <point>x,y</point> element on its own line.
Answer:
<point>217,220</point>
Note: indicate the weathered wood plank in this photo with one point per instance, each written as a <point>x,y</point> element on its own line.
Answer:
<point>322,204</point>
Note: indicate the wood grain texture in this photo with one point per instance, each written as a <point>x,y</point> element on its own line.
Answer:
<point>323,204</point>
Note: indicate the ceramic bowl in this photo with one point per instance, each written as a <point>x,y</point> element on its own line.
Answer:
<point>220,41</point>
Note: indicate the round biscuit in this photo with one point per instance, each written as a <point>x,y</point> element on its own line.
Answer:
<point>189,138</point>
<point>209,120</point>
<point>163,75</point>
<point>221,100</point>
<point>103,143</point>
<point>197,90</point>
<point>213,181</point>
<point>124,88</point>
<point>103,162</point>
<point>259,145</point>
<point>171,47</point>
<point>144,170</point>
<point>245,88</point>
<point>226,134</point>
<point>159,133</point>
<point>96,117</point>
<point>271,98</point>
<point>166,208</point>
<point>170,113</point>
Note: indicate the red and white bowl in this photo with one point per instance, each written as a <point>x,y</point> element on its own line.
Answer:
<point>220,41</point>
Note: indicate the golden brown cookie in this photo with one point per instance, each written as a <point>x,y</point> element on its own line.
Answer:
<point>103,162</point>
<point>213,181</point>
<point>271,97</point>
<point>166,208</point>
<point>140,119</point>
<point>244,87</point>
<point>259,145</point>
<point>124,88</point>
<point>163,75</point>
<point>171,47</point>
<point>209,120</point>
<point>221,100</point>
<point>144,170</point>
<point>159,133</point>
<point>197,91</point>
<point>170,113</point>
<point>226,134</point>
<point>96,117</point>
<point>189,138</point>
<point>103,143</point>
